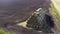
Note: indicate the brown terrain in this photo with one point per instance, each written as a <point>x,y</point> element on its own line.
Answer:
<point>16,11</point>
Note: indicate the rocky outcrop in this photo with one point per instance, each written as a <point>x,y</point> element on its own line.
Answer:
<point>41,21</point>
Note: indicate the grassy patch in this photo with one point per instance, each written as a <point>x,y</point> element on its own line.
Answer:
<point>4,32</point>
<point>56,12</point>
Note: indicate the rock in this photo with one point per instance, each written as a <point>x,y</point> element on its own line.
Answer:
<point>40,21</point>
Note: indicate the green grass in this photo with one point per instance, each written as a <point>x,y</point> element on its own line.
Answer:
<point>4,32</point>
<point>55,12</point>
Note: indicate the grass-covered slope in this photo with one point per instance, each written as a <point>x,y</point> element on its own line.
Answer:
<point>55,12</point>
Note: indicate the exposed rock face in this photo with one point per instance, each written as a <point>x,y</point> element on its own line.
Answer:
<point>41,21</point>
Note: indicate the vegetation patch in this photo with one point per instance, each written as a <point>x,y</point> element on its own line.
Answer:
<point>4,32</point>
<point>55,12</point>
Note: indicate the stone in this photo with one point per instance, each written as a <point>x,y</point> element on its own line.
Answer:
<point>40,21</point>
